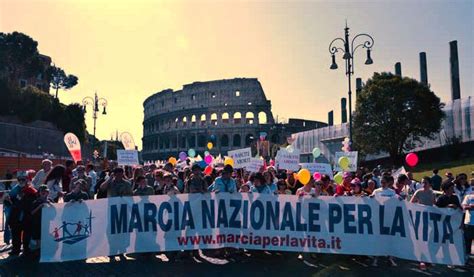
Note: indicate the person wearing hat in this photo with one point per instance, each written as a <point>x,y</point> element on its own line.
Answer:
<point>21,198</point>
<point>169,188</point>
<point>42,201</point>
<point>224,183</point>
<point>195,183</point>
<point>81,175</point>
<point>46,166</point>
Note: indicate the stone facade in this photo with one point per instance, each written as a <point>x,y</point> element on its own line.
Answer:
<point>229,113</point>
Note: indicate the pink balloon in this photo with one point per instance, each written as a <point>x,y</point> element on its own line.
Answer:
<point>412,159</point>
<point>208,159</point>
<point>317,176</point>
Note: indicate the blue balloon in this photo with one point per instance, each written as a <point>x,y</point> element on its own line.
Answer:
<point>191,153</point>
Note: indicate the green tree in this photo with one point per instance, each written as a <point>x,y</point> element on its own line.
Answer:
<point>19,57</point>
<point>394,113</point>
<point>60,80</point>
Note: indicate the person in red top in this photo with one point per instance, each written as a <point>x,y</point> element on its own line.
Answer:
<point>345,186</point>
<point>67,177</point>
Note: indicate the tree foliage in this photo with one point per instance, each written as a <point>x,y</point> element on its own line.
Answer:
<point>393,114</point>
<point>19,56</point>
<point>31,104</point>
<point>60,80</point>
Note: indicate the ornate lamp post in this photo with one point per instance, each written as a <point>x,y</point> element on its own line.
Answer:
<point>95,103</point>
<point>349,50</point>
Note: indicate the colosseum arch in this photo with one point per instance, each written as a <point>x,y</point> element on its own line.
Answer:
<point>225,117</point>
<point>236,141</point>
<point>192,141</point>
<point>182,142</point>
<point>237,117</point>
<point>249,118</point>
<point>214,119</point>
<point>203,119</point>
<point>262,118</point>
<point>248,139</point>
<point>225,140</point>
<point>185,120</point>
<point>201,141</point>
<point>193,120</point>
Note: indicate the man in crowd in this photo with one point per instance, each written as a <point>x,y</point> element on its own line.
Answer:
<point>142,187</point>
<point>93,175</point>
<point>21,198</point>
<point>196,182</point>
<point>468,206</point>
<point>436,180</point>
<point>224,183</point>
<point>40,176</point>
<point>116,185</point>
<point>78,192</point>
<point>81,175</point>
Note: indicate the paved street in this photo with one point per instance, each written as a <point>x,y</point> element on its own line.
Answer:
<point>247,263</point>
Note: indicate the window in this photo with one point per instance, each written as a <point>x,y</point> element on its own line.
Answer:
<point>248,140</point>
<point>175,100</point>
<point>213,95</point>
<point>203,120</point>
<point>237,93</point>
<point>236,140</point>
<point>225,140</point>
<point>237,117</point>
<point>193,97</point>
<point>225,118</point>
<point>162,103</point>
<point>249,103</point>
<point>214,119</point>
<point>193,120</point>
<point>262,118</point>
<point>249,117</point>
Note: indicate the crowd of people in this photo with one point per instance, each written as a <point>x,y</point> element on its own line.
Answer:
<point>78,182</point>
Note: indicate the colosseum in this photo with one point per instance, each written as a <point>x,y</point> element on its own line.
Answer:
<point>231,114</point>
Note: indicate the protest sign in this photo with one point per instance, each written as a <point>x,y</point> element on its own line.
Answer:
<point>318,167</point>
<point>352,156</point>
<point>344,225</point>
<point>287,160</point>
<point>74,146</point>
<point>241,157</point>
<point>127,157</point>
<point>127,140</point>
<point>254,165</point>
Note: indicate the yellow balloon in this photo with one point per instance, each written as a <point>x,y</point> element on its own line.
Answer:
<point>344,162</point>
<point>209,145</point>
<point>303,176</point>
<point>229,161</point>
<point>172,160</point>
<point>338,178</point>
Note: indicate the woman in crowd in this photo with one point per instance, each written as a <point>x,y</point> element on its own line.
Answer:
<point>282,189</point>
<point>54,182</point>
<point>306,189</point>
<point>269,180</point>
<point>462,187</point>
<point>259,184</point>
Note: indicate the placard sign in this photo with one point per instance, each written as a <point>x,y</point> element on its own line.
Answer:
<point>127,157</point>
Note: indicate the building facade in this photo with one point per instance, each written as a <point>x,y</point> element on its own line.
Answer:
<point>232,114</point>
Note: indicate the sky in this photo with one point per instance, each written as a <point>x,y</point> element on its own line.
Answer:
<point>128,50</point>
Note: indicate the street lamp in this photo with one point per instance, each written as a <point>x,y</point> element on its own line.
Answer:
<point>95,103</point>
<point>368,43</point>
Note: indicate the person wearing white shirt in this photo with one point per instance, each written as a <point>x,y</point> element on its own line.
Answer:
<point>91,173</point>
<point>42,173</point>
<point>385,191</point>
<point>468,206</point>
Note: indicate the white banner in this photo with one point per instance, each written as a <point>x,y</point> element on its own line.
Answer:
<point>255,165</point>
<point>127,140</point>
<point>287,160</point>
<point>342,225</point>
<point>318,167</point>
<point>353,156</point>
<point>127,157</point>
<point>241,157</point>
